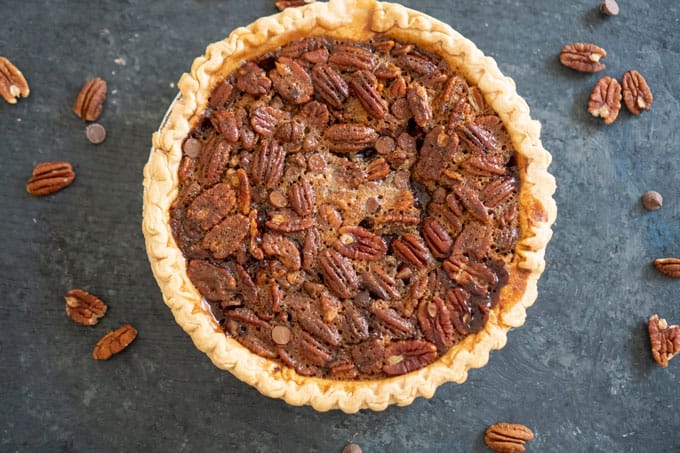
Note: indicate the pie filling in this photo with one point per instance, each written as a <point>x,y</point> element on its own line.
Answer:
<point>348,209</point>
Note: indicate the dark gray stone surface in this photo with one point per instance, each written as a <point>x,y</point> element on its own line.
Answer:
<point>579,372</point>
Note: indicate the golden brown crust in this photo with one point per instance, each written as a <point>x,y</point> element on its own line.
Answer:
<point>357,20</point>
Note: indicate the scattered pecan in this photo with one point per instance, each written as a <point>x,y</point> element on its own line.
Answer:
<point>265,119</point>
<point>351,57</point>
<point>290,132</point>
<point>477,138</point>
<point>354,326</point>
<point>221,94</point>
<point>410,249</point>
<point>315,115</point>
<point>437,238</point>
<point>605,100</point>
<point>668,266</point>
<point>435,154</point>
<point>405,356</point>
<point>287,221</point>
<point>583,57</point>
<point>225,237</point>
<point>114,342</point>
<point>301,197</point>
<point>268,162</point>
<point>664,340</point>
<point>636,93</point>
<point>252,79</point>
<point>211,206</point>
<point>497,191</point>
<point>349,137</point>
<point>507,437</point>
<point>90,101</point>
<point>310,249</point>
<point>84,308</point>
<point>49,177</point>
<point>319,329</point>
<point>377,169</point>
<point>213,161</point>
<point>458,301</point>
<point>471,202</point>
<point>243,191</point>
<point>364,84</point>
<point>313,350</point>
<point>471,275</point>
<point>419,104</point>
<point>380,284</point>
<point>417,62</point>
<point>358,243</point>
<point>338,273</point>
<point>291,81</point>
<point>247,316</point>
<point>330,85</point>
<point>213,282</point>
<point>446,216</point>
<point>390,317</point>
<point>435,321</point>
<point>254,240</point>
<point>12,82</point>
<point>225,123</point>
<point>258,346</point>
<point>283,248</point>
<point>483,165</point>
<point>368,356</point>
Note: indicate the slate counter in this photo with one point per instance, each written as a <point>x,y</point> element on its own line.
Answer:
<point>579,372</point>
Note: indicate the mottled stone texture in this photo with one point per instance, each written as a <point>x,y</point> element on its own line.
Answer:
<point>579,373</point>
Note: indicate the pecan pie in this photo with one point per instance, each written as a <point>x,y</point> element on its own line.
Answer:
<point>347,205</point>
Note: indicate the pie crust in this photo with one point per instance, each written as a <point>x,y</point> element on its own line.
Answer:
<point>357,20</point>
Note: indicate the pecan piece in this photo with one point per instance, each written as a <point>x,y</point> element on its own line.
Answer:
<point>436,238</point>
<point>301,197</point>
<point>49,177</point>
<point>310,249</point>
<point>265,119</point>
<point>435,154</point>
<point>350,137</point>
<point>247,316</point>
<point>364,84</point>
<point>419,103</point>
<point>12,82</point>
<point>338,273</point>
<point>258,346</point>
<point>483,165</point>
<point>253,230</point>
<point>605,100</point>
<point>583,57</point>
<point>330,85</point>
<point>368,356</point>
<point>358,243</point>
<point>636,93</point>
<point>664,340</point>
<point>355,326</point>
<point>668,266</point>
<point>90,101</point>
<point>114,342</point>
<point>220,95</point>
<point>225,123</point>
<point>472,203</point>
<point>351,57</point>
<point>315,115</point>
<point>460,309</point>
<point>507,437</point>
<point>380,284</point>
<point>477,138</point>
<point>213,282</point>
<point>283,248</point>
<point>474,240</point>
<point>225,238</point>
<point>211,206</point>
<point>318,329</point>
<point>497,191</point>
<point>286,221</point>
<point>291,81</point>
<point>405,356</point>
<point>83,307</point>
<point>410,249</point>
<point>252,79</point>
<point>446,215</point>
<point>243,191</point>
<point>471,275</point>
<point>391,317</point>
<point>377,169</point>
<point>290,132</point>
<point>435,321</point>
<point>213,161</point>
<point>417,62</point>
<point>268,162</point>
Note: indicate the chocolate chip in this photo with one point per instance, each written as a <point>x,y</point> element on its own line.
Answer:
<point>316,163</point>
<point>385,144</point>
<point>351,448</point>
<point>281,335</point>
<point>95,133</point>
<point>192,147</point>
<point>277,199</point>
<point>652,200</point>
<point>609,7</point>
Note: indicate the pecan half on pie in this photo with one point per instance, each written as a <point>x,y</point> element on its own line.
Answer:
<point>347,205</point>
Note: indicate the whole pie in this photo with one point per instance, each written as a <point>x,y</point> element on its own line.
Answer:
<point>347,205</point>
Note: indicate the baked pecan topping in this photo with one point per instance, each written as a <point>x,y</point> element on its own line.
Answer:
<point>471,275</point>
<point>338,272</point>
<point>265,120</point>
<point>435,155</point>
<point>435,321</point>
<point>664,339</point>
<point>477,138</point>
<point>267,165</point>
<point>405,356</point>
<point>50,177</point>
<point>225,237</point>
<point>13,85</point>
<point>310,249</point>
<point>583,57</point>
<point>380,284</point>
<point>507,437</point>
<point>213,282</point>
<point>211,206</point>
<point>360,244</point>
<point>301,197</point>
<point>83,307</point>
<point>483,165</point>
<point>437,238</point>
<point>391,318</point>
<point>471,202</point>
<point>411,250</point>
<point>497,191</point>
<point>605,100</point>
<point>221,95</point>
<point>283,248</point>
<point>364,85</point>
<point>377,169</point>
<point>668,266</point>
<point>636,93</point>
<point>213,161</point>
<point>352,57</point>
<point>286,221</point>
<point>419,103</point>
<point>252,79</point>
<point>291,81</point>
<point>114,342</point>
<point>330,85</point>
<point>350,138</point>
<point>90,101</point>
<point>226,124</point>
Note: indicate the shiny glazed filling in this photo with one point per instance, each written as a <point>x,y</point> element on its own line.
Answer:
<point>348,209</point>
